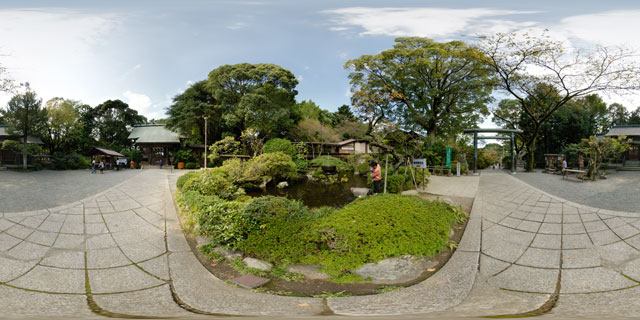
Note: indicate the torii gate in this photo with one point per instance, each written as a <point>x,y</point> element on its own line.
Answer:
<point>493,130</point>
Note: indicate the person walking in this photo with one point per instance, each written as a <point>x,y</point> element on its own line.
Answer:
<point>564,167</point>
<point>376,175</point>
<point>93,166</point>
<point>161,160</point>
<point>101,167</point>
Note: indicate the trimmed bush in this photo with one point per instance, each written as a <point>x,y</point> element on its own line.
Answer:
<point>381,226</point>
<point>183,178</point>
<point>396,183</point>
<point>280,230</point>
<point>329,161</point>
<point>301,165</point>
<point>269,166</point>
<point>191,165</point>
<point>214,182</point>
<point>279,145</point>
<point>223,221</point>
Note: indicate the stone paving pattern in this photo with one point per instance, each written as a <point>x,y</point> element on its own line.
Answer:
<point>619,192</point>
<point>26,191</point>
<point>122,253</point>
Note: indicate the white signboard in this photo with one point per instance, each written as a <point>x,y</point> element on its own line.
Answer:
<point>458,168</point>
<point>420,163</point>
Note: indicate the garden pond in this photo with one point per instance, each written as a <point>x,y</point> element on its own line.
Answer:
<point>316,194</point>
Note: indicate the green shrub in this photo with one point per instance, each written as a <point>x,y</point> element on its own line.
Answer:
<point>223,221</point>
<point>214,182</point>
<point>183,155</point>
<point>191,165</point>
<point>262,208</point>
<point>269,166</point>
<point>227,145</point>
<point>329,161</point>
<point>37,166</point>
<point>69,161</point>
<point>183,178</point>
<point>396,183</point>
<point>279,145</point>
<point>363,168</point>
<point>280,230</point>
<point>301,165</point>
<point>381,226</point>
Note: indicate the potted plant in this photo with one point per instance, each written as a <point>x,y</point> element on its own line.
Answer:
<point>135,156</point>
<point>183,156</point>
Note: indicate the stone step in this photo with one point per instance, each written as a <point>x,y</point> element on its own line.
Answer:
<point>631,168</point>
<point>632,163</point>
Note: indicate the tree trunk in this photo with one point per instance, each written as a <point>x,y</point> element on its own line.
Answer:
<point>531,147</point>
<point>24,153</point>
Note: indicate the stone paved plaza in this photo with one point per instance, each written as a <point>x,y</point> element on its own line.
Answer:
<point>121,253</point>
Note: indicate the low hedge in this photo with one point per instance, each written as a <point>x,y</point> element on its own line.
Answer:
<point>329,161</point>
<point>191,165</point>
<point>183,178</point>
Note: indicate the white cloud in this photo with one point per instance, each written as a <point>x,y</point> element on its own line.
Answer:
<point>57,50</point>
<point>237,25</point>
<point>141,103</point>
<point>607,28</point>
<point>423,22</point>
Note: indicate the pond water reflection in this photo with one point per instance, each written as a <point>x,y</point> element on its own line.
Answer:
<point>317,194</point>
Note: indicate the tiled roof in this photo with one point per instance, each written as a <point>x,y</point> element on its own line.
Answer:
<point>4,133</point>
<point>109,152</point>
<point>153,133</point>
<point>628,130</point>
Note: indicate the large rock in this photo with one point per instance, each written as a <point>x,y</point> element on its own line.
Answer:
<point>395,270</point>
<point>228,254</point>
<point>360,192</point>
<point>257,264</point>
<point>310,271</point>
<point>282,185</point>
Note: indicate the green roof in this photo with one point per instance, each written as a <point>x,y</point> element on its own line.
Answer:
<point>153,133</point>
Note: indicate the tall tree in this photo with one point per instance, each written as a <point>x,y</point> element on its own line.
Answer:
<point>62,121</point>
<point>525,64</point>
<point>343,114</point>
<point>187,112</point>
<point>259,96</point>
<point>111,121</point>
<point>25,116</point>
<point>438,88</point>
<point>634,117</point>
<point>618,114</point>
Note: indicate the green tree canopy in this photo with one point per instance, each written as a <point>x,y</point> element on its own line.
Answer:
<point>25,116</point>
<point>112,118</point>
<point>259,96</point>
<point>187,112</point>
<point>62,122</point>
<point>436,87</point>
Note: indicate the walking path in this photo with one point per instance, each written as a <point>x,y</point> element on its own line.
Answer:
<point>122,253</point>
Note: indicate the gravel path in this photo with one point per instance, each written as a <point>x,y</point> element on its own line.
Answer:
<point>25,191</point>
<point>620,191</point>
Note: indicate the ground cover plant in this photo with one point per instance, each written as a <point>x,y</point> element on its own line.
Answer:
<point>283,231</point>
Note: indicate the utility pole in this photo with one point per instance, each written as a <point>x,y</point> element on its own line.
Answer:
<point>206,119</point>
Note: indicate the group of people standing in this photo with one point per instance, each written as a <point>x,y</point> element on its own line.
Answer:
<point>95,166</point>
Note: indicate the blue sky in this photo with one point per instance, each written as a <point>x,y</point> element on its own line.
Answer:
<point>146,52</point>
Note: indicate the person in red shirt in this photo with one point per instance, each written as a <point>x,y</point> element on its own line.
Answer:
<point>376,175</point>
